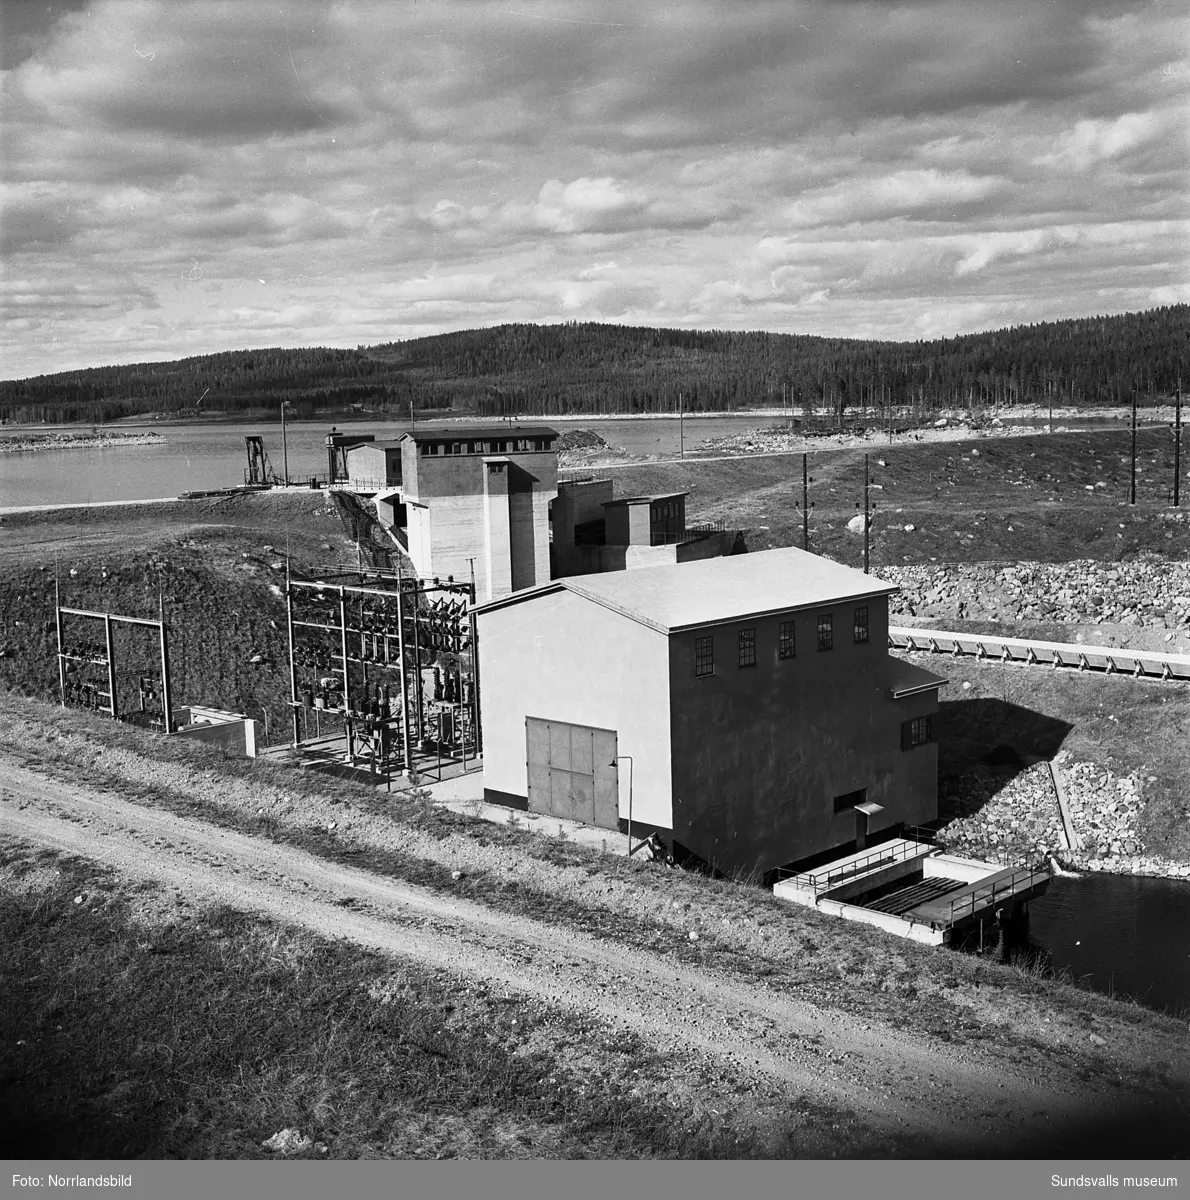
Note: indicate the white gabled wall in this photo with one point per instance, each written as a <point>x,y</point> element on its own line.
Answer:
<point>563,658</point>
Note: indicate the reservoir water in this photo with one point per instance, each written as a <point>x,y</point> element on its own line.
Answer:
<point>1119,934</point>
<point>202,457</point>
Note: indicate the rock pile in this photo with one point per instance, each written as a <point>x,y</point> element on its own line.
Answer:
<point>1019,821</point>
<point>20,443</point>
<point>1147,591</point>
<point>1104,809</point>
<point>581,439</point>
<point>1012,823</point>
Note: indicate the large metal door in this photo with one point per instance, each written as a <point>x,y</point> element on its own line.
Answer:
<point>571,772</point>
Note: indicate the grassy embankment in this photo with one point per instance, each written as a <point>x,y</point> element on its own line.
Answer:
<point>961,506</point>
<point>200,1033</point>
<point>207,558</point>
<point>150,1029</point>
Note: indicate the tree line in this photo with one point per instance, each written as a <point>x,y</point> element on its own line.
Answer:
<point>545,370</point>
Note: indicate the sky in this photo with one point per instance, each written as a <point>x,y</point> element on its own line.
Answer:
<point>182,178</point>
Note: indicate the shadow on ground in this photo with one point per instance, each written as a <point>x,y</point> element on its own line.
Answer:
<point>987,742</point>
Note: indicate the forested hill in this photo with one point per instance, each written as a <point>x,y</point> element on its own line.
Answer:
<point>555,369</point>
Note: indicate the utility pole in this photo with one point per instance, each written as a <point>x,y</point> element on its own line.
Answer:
<point>1132,494</point>
<point>412,417</point>
<point>888,407</point>
<point>681,428</point>
<point>284,441</point>
<point>867,520</point>
<point>1177,445</point>
<point>805,503</point>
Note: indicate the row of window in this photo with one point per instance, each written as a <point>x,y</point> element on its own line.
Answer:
<point>493,446</point>
<point>704,647</point>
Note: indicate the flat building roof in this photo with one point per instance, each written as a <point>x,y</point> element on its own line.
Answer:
<point>471,433</point>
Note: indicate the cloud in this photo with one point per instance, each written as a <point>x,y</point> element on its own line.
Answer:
<point>834,167</point>
<point>929,193</point>
<point>1091,142</point>
<point>586,205</point>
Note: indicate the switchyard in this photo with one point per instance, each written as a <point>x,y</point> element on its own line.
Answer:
<point>383,676</point>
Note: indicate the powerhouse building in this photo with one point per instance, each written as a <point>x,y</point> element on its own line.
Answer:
<point>469,502</point>
<point>746,707</point>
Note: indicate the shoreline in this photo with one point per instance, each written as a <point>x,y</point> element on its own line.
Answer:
<point>27,443</point>
<point>1033,412</point>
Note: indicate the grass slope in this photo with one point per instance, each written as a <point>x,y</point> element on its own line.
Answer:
<point>135,1027</point>
<point>1018,498</point>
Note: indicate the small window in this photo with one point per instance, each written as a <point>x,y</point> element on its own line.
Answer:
<point>826,631</point>
<point>917,731</point>
<point>861,623</point>
<point>424,448</point>
<point>704,656</point>
<point>786,645</point>
<point>748,647</point>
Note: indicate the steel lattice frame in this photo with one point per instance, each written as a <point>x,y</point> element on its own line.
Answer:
<point>394,664</point>
<point>74,656</point>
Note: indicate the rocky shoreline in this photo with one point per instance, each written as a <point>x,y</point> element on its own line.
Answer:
<point>25,442</point>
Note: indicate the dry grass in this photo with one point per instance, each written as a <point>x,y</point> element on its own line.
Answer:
<point>202,1033</point>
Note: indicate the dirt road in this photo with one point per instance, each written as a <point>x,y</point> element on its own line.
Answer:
<point>958,1101</point>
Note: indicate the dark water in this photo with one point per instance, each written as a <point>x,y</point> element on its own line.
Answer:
<point>1119,934</point>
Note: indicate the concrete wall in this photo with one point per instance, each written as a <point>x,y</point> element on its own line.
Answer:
<point>760,753</point>
<point>234,732</point>
<point>420,541</point>
<point>495,578</point>
<point>590,560</point>
<point>576,504</point>
<point>714,545</point>
<point>368,465</point>
<point>563,658</point>
<point>456,524</point>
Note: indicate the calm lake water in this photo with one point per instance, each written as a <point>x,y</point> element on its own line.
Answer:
<point>197,458</point>
<point>1119,934</point>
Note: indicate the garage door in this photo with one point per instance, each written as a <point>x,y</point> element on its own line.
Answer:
<point>571,773</point>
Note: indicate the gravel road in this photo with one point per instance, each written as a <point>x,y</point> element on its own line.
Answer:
<point>958,1100</point>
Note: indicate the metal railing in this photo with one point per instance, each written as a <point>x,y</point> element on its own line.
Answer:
<point>692,533</point>
<point>986,895</point>
<point>1107,660</point>
<point>886,854</point>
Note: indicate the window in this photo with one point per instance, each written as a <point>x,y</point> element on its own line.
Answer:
<point>786,646</point>
<point>704,656</point>
<point>747,647</point>
<point>917,731</point>
<point>826,631</point>
<point>861,623</point>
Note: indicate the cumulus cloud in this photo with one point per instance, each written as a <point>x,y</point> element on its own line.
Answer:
<point>393,170</point>
<point>1095,141</point>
